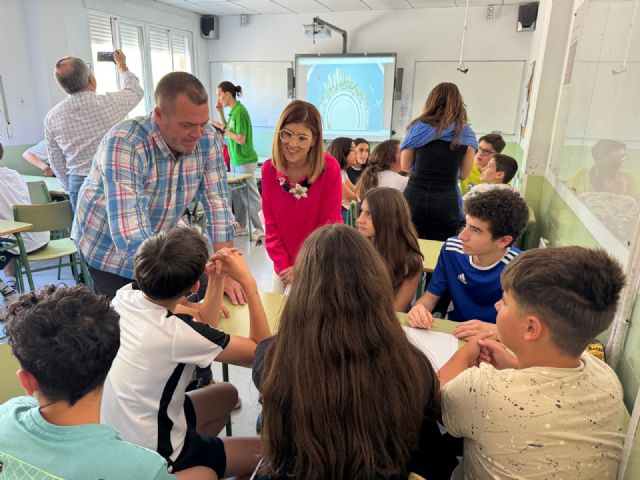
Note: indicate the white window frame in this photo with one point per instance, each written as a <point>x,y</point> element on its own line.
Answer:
<point>147,74</point>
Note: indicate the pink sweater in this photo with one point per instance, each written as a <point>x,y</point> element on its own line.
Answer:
<point>289,221</point>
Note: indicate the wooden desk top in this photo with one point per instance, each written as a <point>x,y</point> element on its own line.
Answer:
<point>8,227</point>
<point>53,184</point>
<point>237,177</point>
<point>431,251</point>
<point>238,323</point>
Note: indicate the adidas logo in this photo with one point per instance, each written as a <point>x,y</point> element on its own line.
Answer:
<point>462,279</point>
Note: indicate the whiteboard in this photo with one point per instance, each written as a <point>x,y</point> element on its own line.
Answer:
<point>264,87</point>
<point>492,91</point>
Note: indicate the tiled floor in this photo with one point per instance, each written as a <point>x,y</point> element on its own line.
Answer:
<point>243,419</point>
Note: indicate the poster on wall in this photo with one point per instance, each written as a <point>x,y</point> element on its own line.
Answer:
<point>526,101</point>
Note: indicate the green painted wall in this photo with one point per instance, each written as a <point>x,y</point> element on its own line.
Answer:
<point>13,159</point>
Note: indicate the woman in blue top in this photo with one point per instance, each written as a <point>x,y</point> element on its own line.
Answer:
<point>437,150</point>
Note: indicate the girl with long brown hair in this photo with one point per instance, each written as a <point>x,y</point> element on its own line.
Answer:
<point>383,168</point>
<point>301,188</point>
<point>385,220</point>
<point>344,393</point>
<point>438,149</point>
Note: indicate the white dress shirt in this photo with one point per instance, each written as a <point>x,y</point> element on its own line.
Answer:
<point>74,127</point>
<point>14,191</point>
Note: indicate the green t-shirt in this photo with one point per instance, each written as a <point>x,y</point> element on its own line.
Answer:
<point>240,123</point>
<point>471,181</point>
<point>31,447</point>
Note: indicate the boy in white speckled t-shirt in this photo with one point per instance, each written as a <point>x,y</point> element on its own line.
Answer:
<point>549,410</point>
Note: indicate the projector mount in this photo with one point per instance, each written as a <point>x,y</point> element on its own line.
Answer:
<point>318,24</point>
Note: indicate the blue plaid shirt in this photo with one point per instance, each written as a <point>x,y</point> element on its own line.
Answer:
<point>137,188</point>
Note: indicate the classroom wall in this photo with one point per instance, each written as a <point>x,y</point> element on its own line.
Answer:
<point>39,32</point>
<point>431,34</point>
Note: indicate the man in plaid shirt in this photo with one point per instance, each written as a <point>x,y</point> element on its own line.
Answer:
<point>74,127</point>
<point>146,171</point>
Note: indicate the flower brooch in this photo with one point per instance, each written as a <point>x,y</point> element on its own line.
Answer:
<point>298,190</point>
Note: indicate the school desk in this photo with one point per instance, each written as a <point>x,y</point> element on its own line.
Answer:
<point>238,322</point>
<point>52,183</point>
<point>9,227</point>
<point>431,251</point>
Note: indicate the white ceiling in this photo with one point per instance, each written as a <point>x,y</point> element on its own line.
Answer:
<point>266,7</point>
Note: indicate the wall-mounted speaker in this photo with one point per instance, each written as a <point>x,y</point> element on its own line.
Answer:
<point>397,90</point>
<point>527,16</point>
<point>209,27</point>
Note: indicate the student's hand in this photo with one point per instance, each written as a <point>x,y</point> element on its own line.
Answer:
<point>238,273</point>
<point>213,269</point>
<point>219,106</point>
<point>233,264</point>
<point>48,172</point>
<point>218,124</point>
<point>496,354</point>
<point>473,349</point>
<point>286,275</point>
<point>471,328</point>
<point>420,317</point>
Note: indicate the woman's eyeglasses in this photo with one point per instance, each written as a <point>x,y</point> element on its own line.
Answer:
<point>287,136</point>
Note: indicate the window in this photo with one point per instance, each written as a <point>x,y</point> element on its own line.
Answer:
<point>132,44</point>
<point>170,52</point>
<point>151,52</point>
<point>102,41</point>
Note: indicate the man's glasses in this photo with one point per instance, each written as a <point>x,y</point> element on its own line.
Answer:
<point>485,153</point>
<point>287,136</point>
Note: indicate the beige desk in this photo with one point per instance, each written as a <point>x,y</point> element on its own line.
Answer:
<point>238,323</point>
<point>53,184</point>
<point>8,227</point>
<point>431,251</point>
<point>237,181</point>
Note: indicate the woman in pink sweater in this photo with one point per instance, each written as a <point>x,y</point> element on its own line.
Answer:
<point>301,188</point>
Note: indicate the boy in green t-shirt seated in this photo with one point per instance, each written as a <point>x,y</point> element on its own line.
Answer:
<point>549,409</point>
<point>65,340</point>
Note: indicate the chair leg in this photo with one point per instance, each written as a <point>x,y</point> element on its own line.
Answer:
<point>72,265</point>
<point>85,273</point>
<point>17,266</point>
<point>225,378</point>
<point>59,267</point>
<point>25,261</point>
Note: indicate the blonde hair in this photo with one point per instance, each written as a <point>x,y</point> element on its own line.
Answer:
<point>302,112</point>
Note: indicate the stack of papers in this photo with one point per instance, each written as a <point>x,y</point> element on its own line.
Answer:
<point>437,346</point>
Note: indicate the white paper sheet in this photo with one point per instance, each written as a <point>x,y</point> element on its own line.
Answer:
<point>437,346</point>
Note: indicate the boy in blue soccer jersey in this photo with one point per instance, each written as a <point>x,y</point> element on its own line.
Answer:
<point>470,264</point>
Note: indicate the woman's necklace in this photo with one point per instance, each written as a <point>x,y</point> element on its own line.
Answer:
<point>298,190</point>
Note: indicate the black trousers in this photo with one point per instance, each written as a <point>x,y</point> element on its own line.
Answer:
<point>434,212</point>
